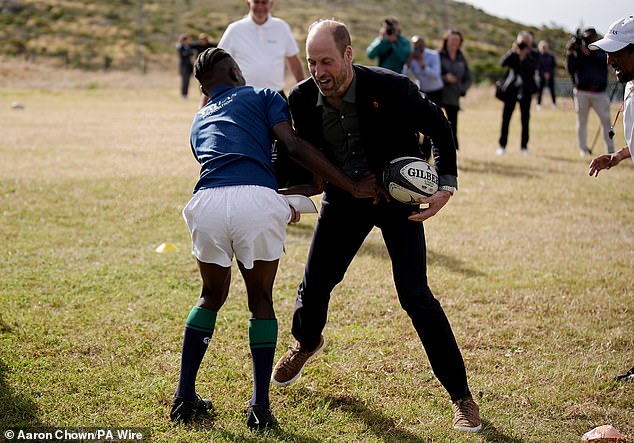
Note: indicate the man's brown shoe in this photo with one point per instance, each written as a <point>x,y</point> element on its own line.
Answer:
<point>289,368</point>
<point>466,415</point>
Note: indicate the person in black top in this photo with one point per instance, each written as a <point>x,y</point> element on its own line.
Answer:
<point>202,44</point>
<point>362,117</point>
<point>455,75</point>
<point>185,66</point>
<point>547,66</point>
<point>589,72</point>
<point>522,60</point>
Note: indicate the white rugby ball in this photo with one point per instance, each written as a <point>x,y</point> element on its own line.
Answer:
<point>409,178</point>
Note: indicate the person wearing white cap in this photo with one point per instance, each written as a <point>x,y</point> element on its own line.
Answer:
<point>618,43</point>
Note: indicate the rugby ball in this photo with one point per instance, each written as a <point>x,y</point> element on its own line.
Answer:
<point>409,178</point>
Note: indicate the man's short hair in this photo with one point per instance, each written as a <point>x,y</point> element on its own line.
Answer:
<point>338,30</point>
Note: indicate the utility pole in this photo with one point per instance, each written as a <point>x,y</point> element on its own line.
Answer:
<point>140,61</point>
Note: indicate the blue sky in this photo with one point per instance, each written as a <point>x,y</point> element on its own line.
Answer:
<point>569,14</point>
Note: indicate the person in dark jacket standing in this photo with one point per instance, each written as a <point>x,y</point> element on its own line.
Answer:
<point>456,77</point>
<point>362,117</point>
<point>589,72</point>
<point>547,66</point>
<point>202,44</point>
<point>522,60</point>
<point>185,66</point>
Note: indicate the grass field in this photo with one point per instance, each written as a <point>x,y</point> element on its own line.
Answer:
<point>531,259</point>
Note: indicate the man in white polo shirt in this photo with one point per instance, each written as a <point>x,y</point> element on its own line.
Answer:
<point>618,43</point>
<point>261,45</point>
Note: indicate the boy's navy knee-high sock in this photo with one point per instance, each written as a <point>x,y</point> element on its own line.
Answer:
<point>198,332</point>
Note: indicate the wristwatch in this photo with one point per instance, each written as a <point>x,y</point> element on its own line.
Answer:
<point>447,188</point>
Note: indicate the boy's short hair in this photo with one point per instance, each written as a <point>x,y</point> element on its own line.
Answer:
<point>206,62</point>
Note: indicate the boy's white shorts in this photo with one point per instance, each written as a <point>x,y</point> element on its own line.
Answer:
<point>246,221</point>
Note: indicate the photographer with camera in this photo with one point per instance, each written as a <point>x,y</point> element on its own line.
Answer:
<point>423,66</point>
<point>521,60</point>
<point>390,47</point>
<point>589,72</point>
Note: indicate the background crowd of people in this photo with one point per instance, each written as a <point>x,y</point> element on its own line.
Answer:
<point>440,70</point>
<point>444,76</point>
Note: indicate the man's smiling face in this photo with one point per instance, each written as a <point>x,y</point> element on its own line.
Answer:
<point>330,69</point>
<point>623,63</point>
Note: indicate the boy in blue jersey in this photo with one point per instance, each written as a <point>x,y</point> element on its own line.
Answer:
<point>236,211</point>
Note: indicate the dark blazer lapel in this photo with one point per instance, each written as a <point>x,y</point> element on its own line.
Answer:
<point>370,110</point>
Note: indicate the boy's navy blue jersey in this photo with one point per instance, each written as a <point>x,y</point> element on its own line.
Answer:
<point>231,136</point>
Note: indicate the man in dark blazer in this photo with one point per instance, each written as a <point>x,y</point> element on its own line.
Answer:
<point>361,118</point>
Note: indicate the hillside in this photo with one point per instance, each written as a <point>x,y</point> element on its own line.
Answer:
<point>126,34</point>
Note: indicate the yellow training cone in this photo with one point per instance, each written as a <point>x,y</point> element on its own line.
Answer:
<point>166,247</point>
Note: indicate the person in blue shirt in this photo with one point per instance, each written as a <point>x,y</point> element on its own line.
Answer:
<point>423,66</point>
<point>236,211</point>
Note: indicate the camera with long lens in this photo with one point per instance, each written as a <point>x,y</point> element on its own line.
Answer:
<point>581,39</point>
<point>521,45</point>
<point>576,41</point>
<point>390,28</point>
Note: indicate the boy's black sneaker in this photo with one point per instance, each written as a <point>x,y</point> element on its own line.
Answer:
<point>184,411</point>
<point>260,418</point>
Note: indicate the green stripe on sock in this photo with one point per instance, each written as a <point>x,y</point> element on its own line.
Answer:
<point>201,319</point>
<point>262,333</point>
